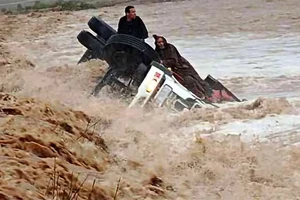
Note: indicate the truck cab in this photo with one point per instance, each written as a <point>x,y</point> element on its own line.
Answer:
<point>161,88</point>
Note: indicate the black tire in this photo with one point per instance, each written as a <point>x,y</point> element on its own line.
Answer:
<point>130,44</point>
<point>92,43</point>
<point>101,28</point>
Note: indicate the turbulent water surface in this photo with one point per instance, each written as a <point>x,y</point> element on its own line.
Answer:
<point>251,47</point>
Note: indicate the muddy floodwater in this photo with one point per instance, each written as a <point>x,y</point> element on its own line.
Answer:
<point>245,150</point>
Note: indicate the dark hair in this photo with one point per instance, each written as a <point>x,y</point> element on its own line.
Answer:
<point>127,9</point>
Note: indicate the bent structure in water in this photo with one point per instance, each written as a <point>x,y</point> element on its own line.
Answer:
<point>125,55</point>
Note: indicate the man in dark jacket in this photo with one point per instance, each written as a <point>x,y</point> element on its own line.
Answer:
<point>132,25</point>
<point>171,58</point>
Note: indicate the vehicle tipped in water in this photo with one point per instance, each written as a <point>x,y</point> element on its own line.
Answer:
<point>124,53</point>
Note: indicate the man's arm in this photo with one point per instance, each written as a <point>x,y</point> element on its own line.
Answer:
<point>171,60</point>
<point>177,55</point>
<point>169,63</point>
<point>121,26</point>
<point>144,31</point>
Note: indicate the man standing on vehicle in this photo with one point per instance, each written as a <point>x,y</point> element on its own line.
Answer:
<point>132,24</point>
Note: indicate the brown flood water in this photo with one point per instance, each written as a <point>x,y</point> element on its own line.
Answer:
<point>45,112</point>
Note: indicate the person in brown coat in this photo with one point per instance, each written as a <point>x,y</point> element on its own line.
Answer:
<point>188,77</point>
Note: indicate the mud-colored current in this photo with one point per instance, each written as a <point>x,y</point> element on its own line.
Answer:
<point>50,131</point>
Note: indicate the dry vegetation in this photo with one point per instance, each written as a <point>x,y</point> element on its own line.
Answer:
<point>39,143</point>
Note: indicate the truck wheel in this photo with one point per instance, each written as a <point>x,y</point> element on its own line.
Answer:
<point>101,28</point>
<point>136,50</point>
<point>92,43</point>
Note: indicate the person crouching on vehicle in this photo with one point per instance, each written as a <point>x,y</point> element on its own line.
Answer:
<point>132,24</point>
<point>184,71</point>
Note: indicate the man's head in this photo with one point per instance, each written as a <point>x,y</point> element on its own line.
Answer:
<point>130,12</point>
<point>160,41</point>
